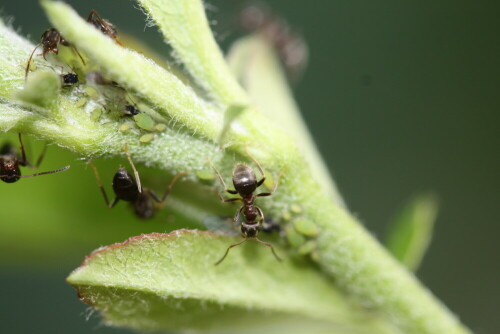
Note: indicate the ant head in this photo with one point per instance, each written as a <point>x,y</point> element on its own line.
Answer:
<point>250,230</point>
<point>244,180</point>
<point>70,78</point>
<point>51,37</point>
<point>9,169</point>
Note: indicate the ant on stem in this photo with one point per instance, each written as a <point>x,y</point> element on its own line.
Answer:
<point>129,190</point>
<point>106,27</point>
<point>10,161</point>
<point>51,38</point>
<point>245,184</point>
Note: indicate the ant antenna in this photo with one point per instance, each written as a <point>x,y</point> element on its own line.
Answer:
<point>255,161</point>
<point>229,248</point>
<point>171,185</point>
<point>43,173</point>
<point>79,55</point>
<point>217,172</point>
<point>136,173</point>
<point>270,246</point>
<point>99,182</point>
<point>29,62</point>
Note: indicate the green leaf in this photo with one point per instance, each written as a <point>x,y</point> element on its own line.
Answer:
<point>167,282</point>
<point>172,98</point>
<point>411,230</point>
<point>185,27</point>
<point>345,251</point>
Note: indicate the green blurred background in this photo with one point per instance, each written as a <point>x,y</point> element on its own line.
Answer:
<point>400,97</point>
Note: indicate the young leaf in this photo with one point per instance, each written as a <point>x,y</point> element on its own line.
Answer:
<point>411,230</point>
<point>168,282</point>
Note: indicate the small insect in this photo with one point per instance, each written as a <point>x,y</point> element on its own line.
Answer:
<point>245,184</point>
<point>270,225</point>
<point>10,162</point>
<point>69,79</point>
<point>129,190</point>
<point>288,43</point>
<point>131,110</point>
<point>106,27</point>
<point>51,39</point>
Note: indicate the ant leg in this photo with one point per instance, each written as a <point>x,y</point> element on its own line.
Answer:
<point>261,181</point>
<point>136,173</point>
<point>228,249</point>
<point>41,156</point>
<point>29,61</point>
<point>237,215</point>
<point>101,187</point>
<point>23,161</point>
<point>270,246</point>
<point>275,187</point>
<point>169,189</point>
<point>261,214</point>
<point>233,192</point>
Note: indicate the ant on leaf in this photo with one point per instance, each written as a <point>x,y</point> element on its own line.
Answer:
<point>245,184</point>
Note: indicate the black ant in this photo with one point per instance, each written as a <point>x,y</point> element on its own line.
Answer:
<point>10,161</point>
<point>51,38</point>
<point>245,183</point>
<point>106,27</point>
<point>69,79</point>
<point>288,43</point>
<point>126,189</point>
<point>131,110</point>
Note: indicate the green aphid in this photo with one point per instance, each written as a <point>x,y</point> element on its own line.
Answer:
<point>144,121</point>
<point>91,92</point>
<point>205,175</point>
<point>286,216</point>
<point>80,102</point>
<point>295,208</point>
<point>160,127</point>
<point>125,127</point>
<point>308,247</point>
<point>96,114</point>
<point>306,227</point>
<point>294,238</point>
<point>147,138</point>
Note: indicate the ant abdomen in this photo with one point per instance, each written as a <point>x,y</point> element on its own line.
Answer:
<point>124,186</point>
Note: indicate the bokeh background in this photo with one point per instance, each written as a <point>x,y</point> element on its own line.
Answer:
<point>401,97</point>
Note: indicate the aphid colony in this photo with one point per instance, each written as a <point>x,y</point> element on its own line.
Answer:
<point>145,202</point>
